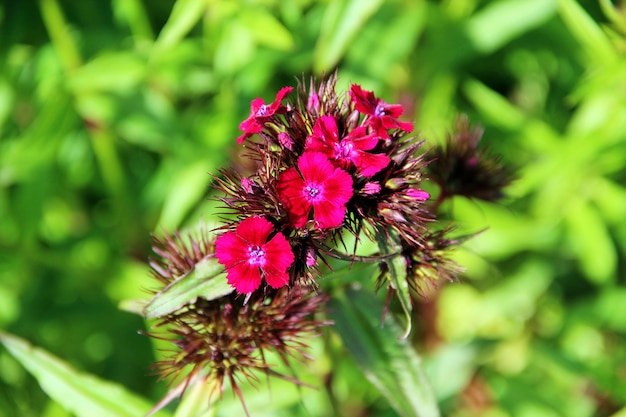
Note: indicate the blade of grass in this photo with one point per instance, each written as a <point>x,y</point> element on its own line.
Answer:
<point>596,44</point>
<point>184,16</point>
<point>503,21</point>
<point>82,394</point>
<point>59,33</point>
<point>134,14</point>
<point>342,21</point>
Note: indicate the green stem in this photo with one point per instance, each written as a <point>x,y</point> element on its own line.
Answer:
<point>134,14</point>
<point>60,35</point>
<point>334,253</point>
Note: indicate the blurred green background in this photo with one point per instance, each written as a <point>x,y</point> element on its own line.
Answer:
<point>114,113</point>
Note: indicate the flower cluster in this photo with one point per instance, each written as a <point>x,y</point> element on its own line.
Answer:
<point>327,164</point>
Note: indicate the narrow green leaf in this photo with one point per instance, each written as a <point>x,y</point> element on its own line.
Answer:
<point>587,32</point>
<point>505,20</point>
<point>397,275</point>
<point>397,272</point>
<point>184,16</point>
<point>186,189</point>
<point>615,15</point>
<point>342,21</point>
<point>389,363</point>
<point>134,14</point>
<point>207,280</point>
<point>120,71</point>
<point>538,135</point>
<point>591,241</point>
<point>82,394</point>
<point>60,34</point>
<point>266,29</point>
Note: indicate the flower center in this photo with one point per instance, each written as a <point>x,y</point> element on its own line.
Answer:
<point>379,110</point>
<point>256,255</point>
<point>262,111</point>
<point>345,150</point>
<point>312,191</point>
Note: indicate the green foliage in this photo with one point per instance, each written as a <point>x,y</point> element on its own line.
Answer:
<point>113,115</point>
<point>207,280</point>
<point>391,365</point>
<point>83,395</point>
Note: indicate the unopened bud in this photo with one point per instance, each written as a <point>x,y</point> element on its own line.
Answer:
<point>395,183</point>
<point>285,141</point>
<point>353,120</point>
<point>371,187</point>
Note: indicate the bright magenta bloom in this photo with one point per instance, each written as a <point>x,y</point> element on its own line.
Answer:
<point>319,186</point>
<point>248,255</point>
<point>382,116</point>
<point>351,150</point>
<point>259,113</point>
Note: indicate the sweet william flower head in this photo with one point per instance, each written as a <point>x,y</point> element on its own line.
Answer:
<point>316,185</point>
<point>250,254</point>
<point>348,151</point>
<point>462,167</point>
<point>227,340</point>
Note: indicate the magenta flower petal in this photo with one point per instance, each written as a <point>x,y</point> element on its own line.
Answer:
<point>349,151</point>
<point>361,139</point>
<point>255,230</point>
<point>319,185</point>
<point>290,186</point>
<point>260,113</point>
<point>279,259</point>
<point>244,277</point>
<point>276,278</point>
<point>275,252</point>
<point>364,101</point>
<point>282,93</point>
<point>382,116</point>
<point>369,164</point>
<point>230,249</point>
<point>248,256</point>
<point>315,167</point>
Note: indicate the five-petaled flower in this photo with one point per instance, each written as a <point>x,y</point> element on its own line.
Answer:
<point>350,150</point>
<point>317,185</point>
<point>260,113</point>
<point>248,255</point>
<point>382,116</point>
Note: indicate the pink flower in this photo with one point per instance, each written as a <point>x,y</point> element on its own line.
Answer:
<point>248,255</point>
<point>319,186</point>
<point>351,150</point>
<point>260,113</point>
<point>382,116</point>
